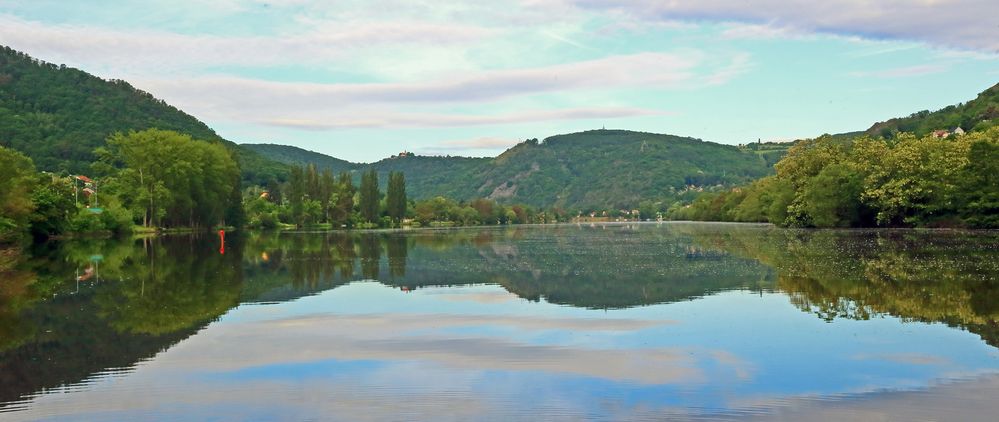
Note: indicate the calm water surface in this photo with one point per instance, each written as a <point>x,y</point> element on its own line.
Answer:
<point>608,322</point>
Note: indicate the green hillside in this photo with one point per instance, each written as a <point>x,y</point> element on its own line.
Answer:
<point>297,156</point>
<point>613,168</point>
<point>596,169</point>
<point>58,115</point>
<point>426,177</point>
<point>975,115</point>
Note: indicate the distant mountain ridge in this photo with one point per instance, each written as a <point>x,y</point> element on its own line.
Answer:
<point>597,169</point>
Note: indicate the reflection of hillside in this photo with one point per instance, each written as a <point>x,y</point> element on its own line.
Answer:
<point>930,276</point>
<point>609,267</point>
<point>612,267</point>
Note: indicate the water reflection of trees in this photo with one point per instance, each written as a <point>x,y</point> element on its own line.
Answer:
<point>175,284</point>
<point>595,268</point>
<point>17,291</point>
<point>142,297</point>
<point>930,276</point>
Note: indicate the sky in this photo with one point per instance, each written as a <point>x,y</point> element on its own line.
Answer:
<point>362,80</point>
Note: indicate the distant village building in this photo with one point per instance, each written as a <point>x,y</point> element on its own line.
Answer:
<point>958,131</point>
<point>89,190</point>
<point>940,133</point>
<point>403,154</point>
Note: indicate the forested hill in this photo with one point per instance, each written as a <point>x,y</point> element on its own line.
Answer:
<point>976,115</point>
<point>300,157</point>
<point>58,115</point>
<point>596,169</point>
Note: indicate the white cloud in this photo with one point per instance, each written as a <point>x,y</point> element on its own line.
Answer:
<point>153,51</point>
<point>478,143</point>
<point>754,31</point>
<point>961,24</point>
<point>380,119</point>
<point>317,106</point>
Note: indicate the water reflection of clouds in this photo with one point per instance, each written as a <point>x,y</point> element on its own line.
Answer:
<point>482,297</point>
<point>905,358</point>
<point>452,396</point>
<point>403,322</point>
<point>971,398</point>
<point>425,338</point>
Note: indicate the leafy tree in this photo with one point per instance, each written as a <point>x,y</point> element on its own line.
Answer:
<point>15,192</point>
<point>53,199</point>
<point>832,197</point>
<point>486,210</point>
<point>327,187</point>
<point>344,206</point>
<point>296,195</point>
<point>395,200</point>
<point>979,186</point>
<point>911,180</point>
<point>903,181</point>
<point>172,179</point>
<point>370,197</point>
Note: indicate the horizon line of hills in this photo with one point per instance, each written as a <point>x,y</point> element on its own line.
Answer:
<point>59,115</point>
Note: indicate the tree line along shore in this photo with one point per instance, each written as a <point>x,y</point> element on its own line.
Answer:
<point>155,180</point>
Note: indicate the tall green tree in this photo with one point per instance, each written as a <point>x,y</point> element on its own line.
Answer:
<point>370,197</point>
<point>327,189</point>
<point>312,182</point>
<point>343,209</point>
<point>395,200</point>
<point>296,194</point>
